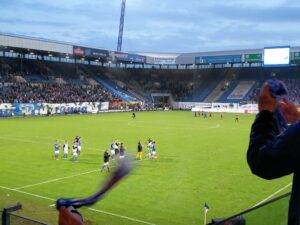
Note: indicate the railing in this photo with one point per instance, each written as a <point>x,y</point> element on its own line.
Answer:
<point>22,220</point>
<point>9,218</point>
<point>273,212</point>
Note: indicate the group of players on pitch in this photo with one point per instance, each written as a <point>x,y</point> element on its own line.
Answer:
<point>117,152</point>
<point>76,149</point>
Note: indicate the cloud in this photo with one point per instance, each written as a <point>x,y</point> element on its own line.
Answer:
<point>155,25</point>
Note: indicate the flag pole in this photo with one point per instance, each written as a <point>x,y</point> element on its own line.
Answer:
<point>206,207</point>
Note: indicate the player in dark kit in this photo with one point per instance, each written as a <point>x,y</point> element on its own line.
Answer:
<point>133,114</point>
<point>106,161</point>
<point>122,151</point>
<point>236,118</point>
<point>139,154</point>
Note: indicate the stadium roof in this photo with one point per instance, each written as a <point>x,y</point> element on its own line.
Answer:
<point>40,44</point>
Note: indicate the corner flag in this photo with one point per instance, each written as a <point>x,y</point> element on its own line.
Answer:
<point>206,207</point>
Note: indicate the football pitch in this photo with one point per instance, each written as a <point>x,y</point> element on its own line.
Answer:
<point>199,160</point>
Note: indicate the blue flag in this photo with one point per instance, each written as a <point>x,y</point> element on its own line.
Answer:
<point>206,207</point>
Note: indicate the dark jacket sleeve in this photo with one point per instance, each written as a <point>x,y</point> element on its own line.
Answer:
<point>267,155</point>
<point>272,154</point>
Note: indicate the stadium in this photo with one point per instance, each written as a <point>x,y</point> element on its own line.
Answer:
<point>195,108</point>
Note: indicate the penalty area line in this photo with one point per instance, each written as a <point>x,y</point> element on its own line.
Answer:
<point>275,193</point>
<point>91,209</point>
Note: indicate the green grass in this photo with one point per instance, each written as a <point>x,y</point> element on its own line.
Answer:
<point>199,160</point>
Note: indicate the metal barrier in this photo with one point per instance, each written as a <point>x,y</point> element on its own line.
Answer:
<point>273,212</point>
<point>22,220</point>
<point>9,218</point>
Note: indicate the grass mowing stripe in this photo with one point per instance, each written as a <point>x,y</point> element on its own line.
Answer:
<point>91,209</point>
<point>275,193</point>
<point>53,180</point>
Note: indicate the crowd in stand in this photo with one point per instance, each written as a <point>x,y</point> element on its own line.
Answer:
<point>23,92</point>
<point>15,89</point>
<point>8,77</point>
<point>180,90</point>
<point>293,86</point>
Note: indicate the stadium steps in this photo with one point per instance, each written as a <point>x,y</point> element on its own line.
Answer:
<point>228,76</point>
<point>44,68</point>
<point>217,92</point>
<point>237,92</point>
<point>136,91</point>
<point>92,82</point>
<point>223,98</point>
<point>119,85</point>
<point>207,84</point>
<point>107,83</point>
<point>114,90</point>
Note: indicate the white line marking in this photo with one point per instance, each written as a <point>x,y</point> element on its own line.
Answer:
<point>275,193</point>
<point>24,140</point>
<point>91,209</point>
<point>53,180</point>
<point>27,193</point>
<point>125,217</point>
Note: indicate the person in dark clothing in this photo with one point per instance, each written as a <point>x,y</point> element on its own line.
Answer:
<point>106,161</point>
<point>139,154</point>
<point>274,153</point>
<point>122,151</point>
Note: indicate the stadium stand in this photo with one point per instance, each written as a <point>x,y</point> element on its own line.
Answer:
<point>58,82</point>
<point>51,83</point>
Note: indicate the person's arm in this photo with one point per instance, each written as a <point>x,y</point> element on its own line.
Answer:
<point>69,216</point>
<point>271,155</point>
<point>289,111</point>
<point>263,132</point>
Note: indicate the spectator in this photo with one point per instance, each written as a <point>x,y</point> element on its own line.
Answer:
<point>272,154</point>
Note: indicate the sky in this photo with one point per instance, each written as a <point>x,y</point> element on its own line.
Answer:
<point>167,26</point>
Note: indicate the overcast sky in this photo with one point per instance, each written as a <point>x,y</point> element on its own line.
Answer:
<point>157,25</point>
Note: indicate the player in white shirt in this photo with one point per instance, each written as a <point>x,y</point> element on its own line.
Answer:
<point>112,150</point>
<point>66,150</point>
<point>149,148</point>
<point>74,150</point>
